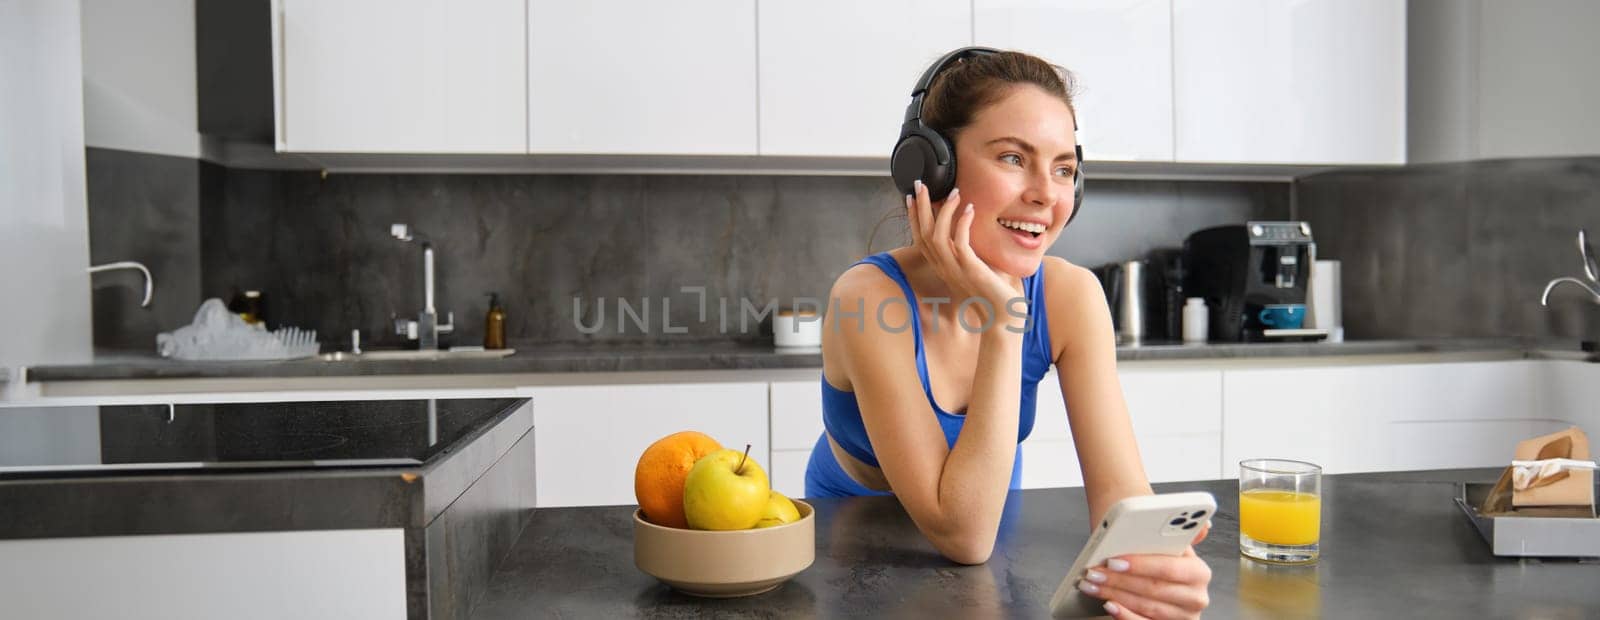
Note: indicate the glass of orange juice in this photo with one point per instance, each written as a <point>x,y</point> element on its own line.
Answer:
<point>1280,510</point>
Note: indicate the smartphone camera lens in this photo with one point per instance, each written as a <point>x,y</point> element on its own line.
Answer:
<point>1199,513</point>
<point>1177,521</point>
<point>1190,526</point>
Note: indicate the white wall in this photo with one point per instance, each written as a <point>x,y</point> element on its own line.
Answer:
<point>139,76</point>
<point>44,229</point>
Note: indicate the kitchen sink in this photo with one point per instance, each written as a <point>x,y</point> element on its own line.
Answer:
<point>414,355</point>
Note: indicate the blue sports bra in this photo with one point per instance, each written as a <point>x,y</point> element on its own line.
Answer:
<point>841,414</point>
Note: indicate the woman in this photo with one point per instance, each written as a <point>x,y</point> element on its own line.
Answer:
<point>934,414</point>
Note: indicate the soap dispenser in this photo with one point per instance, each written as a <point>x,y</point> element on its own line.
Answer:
<point>494,325</point>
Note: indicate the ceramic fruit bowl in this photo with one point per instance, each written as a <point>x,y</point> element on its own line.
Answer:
<point>725,564</point>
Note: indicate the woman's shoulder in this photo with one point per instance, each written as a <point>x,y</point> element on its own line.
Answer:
<point>1066,281</point>
<point>865,287</point>
<point>861,320</point>
<point>1075,303</point>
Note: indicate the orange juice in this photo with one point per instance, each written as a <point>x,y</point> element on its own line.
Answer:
<point>1280,517</point>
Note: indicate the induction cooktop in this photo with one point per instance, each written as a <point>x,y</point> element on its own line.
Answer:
<point>62,441</point>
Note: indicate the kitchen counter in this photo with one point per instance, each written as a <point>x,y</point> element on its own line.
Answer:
<point>713,356</point>
<point>455,475</point>
<point>1393,546</point>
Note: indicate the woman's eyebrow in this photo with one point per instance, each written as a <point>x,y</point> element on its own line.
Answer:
<point>1029,149</point>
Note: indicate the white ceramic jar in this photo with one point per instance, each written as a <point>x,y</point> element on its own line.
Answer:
<point>1196,320</point>
<point>797,328</point>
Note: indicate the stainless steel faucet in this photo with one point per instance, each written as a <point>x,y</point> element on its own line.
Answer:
<point>149,281</point>
<point>1591,270</point>
<point>426,329</point>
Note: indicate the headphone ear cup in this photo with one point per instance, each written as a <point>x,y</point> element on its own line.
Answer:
<point>917,156</point>
<point>1077,186</point>
<point>1077,193</point>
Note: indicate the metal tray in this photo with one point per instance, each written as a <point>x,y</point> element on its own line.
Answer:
<point>1530,536</point>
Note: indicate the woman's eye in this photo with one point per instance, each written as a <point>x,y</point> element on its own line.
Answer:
<point>1065,171</point>
<point>1011,158</point>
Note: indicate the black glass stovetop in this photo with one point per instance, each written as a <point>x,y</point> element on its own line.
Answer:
<point>101,440</point>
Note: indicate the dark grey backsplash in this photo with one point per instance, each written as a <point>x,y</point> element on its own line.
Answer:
<point>320,248</point>
<point>1458,250</point>
<point>145,208</point>
<point>1448,250</point>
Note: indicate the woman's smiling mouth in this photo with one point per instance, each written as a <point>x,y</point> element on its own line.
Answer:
<point>1026,234</point>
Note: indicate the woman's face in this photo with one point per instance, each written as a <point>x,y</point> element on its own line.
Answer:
<point>1015,165</point>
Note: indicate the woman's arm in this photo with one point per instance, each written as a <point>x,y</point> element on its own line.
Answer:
<point>955,495</point>
<point>1086,362</point>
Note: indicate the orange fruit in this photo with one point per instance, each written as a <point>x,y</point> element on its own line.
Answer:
<point>658,478</point>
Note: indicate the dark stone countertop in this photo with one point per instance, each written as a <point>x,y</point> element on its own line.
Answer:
<point>1393,546</point>
<point>707,356</point>
<point>256,473</point>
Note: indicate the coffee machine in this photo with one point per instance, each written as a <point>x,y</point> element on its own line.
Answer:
<point>1254,276</point>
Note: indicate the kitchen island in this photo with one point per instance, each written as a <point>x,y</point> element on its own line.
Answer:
<point>330,509</point>
<point>1394,545</point>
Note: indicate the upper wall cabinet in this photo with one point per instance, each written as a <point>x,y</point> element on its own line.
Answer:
<point>1121,55</point>
<point>400,76</point>
<point>1494,79</point>
<point>631,77</point>
<point>836,75</point>
<point>1290,81</point>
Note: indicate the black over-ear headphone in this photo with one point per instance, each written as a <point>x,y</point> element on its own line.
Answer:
<point>922,153</point>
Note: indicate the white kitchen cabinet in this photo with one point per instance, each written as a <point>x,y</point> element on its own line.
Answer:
<point>788,471</point>
<point>1049,458</point>
<point>847,96</point>
<point>1121,55</point>
<point>1290,82</point>
<point>400,76</point>
<point>589,438</point>
<point>1569,395</point>
<point>307,575</point>
<point>1177,421</point>
<point>796,408</point>
<point>1383,417</point>
<point>632,77</point>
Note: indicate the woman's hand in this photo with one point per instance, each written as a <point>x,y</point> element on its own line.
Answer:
<point>944,240</point>
<point>1152,586</point>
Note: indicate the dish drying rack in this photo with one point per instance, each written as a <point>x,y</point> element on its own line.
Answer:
<point>297,342</point>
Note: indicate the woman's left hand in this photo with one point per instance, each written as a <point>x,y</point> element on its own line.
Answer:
<point>1157,587</point>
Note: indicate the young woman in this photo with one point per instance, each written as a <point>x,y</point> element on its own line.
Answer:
<point>931,360</point>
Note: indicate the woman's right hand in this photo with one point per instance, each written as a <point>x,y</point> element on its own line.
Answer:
<point>944,240</point>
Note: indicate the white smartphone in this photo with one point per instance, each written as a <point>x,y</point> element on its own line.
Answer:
<point>1148,524</point>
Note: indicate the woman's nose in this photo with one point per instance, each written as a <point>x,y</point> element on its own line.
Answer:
<point>1041,189</point>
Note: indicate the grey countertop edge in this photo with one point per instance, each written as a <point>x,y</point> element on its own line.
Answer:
<point>689,356</point>
<point>269,501</point>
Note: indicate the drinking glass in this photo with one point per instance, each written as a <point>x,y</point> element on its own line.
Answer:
<point>1280,510</point>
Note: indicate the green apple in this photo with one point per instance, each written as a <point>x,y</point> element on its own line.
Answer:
<point>725,490</point>
<point>779,511</point>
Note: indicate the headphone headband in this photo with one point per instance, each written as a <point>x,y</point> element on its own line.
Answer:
<point>918,93</point>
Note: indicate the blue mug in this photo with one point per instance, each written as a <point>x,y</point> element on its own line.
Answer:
<point>1283,316</point>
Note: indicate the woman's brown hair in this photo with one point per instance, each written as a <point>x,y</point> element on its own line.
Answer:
<point>964,89</point>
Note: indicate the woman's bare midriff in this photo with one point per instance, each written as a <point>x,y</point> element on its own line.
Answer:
<point>864,474</point>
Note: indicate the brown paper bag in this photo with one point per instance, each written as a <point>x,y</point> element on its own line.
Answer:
<point>1575,489</point>
<point>1568,494</point>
